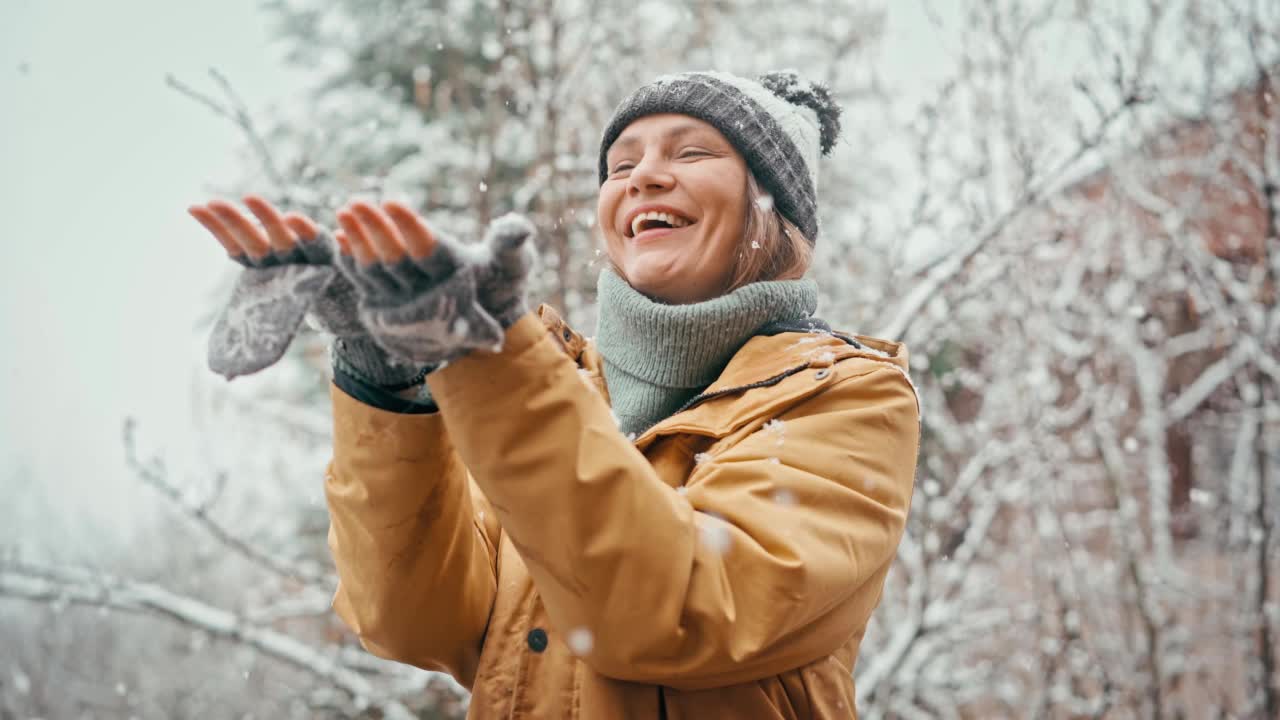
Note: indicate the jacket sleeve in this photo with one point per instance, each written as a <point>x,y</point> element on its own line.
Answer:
<point>412,537</point>
<point>773,557</point>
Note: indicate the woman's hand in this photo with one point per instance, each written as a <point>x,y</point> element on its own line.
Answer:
<point>385,234</point>
<point>424,296</point>
<point>288,275</point>
<point>278,238</point>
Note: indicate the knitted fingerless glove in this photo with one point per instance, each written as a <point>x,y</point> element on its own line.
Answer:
<point>428,311</point>
<point>269,301</point>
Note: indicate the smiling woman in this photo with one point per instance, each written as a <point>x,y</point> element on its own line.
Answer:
<point>690,516</point>
<point>734,235</point>
<point>701,182</point>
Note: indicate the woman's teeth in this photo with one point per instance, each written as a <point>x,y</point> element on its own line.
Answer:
<point>637,223</point>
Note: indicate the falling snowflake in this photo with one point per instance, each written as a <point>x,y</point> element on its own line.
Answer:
<point>1131,444</point>
<point>775,461</point>
<point>682,490</point>
<point>778,428</point>
<point>701,458</point>
<point>714,534</point>
<point>121,689</point>
<point>483,186</point>
<point>784,497</point>
<point>460,327</point>
<point>580,641</point>
<point>21,682</point>
<point>755,244</point>
<point>765,202</point>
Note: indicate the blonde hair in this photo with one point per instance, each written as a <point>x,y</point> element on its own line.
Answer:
<point>772,247</point>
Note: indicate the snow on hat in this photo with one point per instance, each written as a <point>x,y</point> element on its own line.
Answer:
<point>780,123</point>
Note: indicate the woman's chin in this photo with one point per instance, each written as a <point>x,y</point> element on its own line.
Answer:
<point>652,279</point>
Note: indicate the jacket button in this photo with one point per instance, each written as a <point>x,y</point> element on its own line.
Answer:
<point>822,374</point>
<point>537,640</point>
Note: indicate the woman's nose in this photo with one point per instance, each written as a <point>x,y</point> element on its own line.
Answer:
<point>649,175</point>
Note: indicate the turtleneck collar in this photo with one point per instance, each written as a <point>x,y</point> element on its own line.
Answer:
<point>657,356</point>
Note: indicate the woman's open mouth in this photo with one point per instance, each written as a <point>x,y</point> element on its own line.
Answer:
<point>654,224</point>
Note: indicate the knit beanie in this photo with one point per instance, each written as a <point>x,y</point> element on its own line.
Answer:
<point>780,124</point>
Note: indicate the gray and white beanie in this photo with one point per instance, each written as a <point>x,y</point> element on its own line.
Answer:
<point>780,123</point>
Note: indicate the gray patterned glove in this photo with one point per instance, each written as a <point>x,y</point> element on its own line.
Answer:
<point>459,298</point>
<point>502,284</point>
<point>270,299</point>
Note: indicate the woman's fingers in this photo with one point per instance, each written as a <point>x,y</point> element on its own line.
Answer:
<point>280,237</point>
<point>302,225</point>
<point>417,236</point>
<point>225,237</point>
<point>353,234</point>
<point>380,231</point>
<point>249,237</point>
<point>344,245</point>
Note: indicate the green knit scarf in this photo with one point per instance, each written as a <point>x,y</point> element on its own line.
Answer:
<point>657,356</point>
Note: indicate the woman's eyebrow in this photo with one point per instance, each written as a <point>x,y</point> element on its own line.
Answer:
<point>682,130</point>
<point>630,141</point>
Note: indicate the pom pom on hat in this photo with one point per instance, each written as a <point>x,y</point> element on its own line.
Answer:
<point>790,86</point>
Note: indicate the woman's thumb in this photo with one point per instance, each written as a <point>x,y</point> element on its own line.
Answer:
<point>509,238</point>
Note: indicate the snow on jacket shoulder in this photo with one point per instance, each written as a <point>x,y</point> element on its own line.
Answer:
<point>723,564</point>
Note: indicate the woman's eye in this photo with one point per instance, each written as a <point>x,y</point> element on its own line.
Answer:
<point>693,153</point>
<point>621,167</point>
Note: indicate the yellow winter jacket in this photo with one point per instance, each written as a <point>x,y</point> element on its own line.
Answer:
<point>721,565</point>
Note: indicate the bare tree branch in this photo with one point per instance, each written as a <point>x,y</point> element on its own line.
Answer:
<point>152,473</point>
<point>68,585</point>
<point>956,260</point>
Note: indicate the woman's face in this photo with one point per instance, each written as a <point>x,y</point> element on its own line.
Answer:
<point>673,208</point>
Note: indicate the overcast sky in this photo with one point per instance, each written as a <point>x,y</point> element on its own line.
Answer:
<point>105,275</point>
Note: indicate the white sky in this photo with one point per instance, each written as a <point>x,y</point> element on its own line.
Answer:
<point>105,274</point>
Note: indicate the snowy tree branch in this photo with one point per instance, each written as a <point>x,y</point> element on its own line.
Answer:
<point>238,113</point>
<point>1032,195</point>
<point>73,586</point>
<point>152,473</point>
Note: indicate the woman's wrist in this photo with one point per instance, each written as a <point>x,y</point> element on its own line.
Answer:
<point>408,396</point>
<point>363,359</point>
<point>416,393</point>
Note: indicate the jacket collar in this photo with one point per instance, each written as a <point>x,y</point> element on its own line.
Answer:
<point>759,366</point>
<point>766,356</point>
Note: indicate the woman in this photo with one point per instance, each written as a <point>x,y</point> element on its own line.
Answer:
<point>692,515</point>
